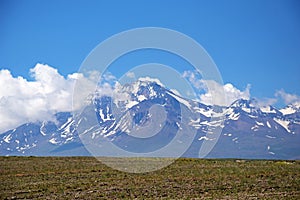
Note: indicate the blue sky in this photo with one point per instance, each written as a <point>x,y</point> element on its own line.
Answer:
<point>252,42</point>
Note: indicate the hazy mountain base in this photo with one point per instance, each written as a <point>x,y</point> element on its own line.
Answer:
<point>87,178</point>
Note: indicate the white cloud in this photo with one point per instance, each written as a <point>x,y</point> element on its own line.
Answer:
<point>211,92</point>
<point>23,101</point>
<point>233,93</point>
<point>287,98</point>
<point>130,75</point>
<point>222,95</point>
<point>108,77</point>
<point>195,79</point>
<point>262,102</point>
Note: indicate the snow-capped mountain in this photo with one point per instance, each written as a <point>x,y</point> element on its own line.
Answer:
<point>255,132</point>
<point>136,110</point>
<point>43,138</point>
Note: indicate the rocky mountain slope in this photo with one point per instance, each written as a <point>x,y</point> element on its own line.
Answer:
<point>248,131</point>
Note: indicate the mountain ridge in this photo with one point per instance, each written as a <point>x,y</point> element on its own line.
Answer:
<point>248,131</point>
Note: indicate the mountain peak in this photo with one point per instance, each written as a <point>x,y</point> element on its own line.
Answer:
<point>291,109</point>
<point>243,103</point>
<point>296,105</point>
<point>150,80</point>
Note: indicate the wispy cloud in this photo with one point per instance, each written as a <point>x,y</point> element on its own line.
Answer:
<point>262,102</point>
<point>130,75</point>
<point>286,97</point>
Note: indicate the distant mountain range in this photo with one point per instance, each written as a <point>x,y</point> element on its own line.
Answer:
<point>248,130</point>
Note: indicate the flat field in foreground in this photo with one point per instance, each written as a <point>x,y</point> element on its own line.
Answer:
<point>87,178</point>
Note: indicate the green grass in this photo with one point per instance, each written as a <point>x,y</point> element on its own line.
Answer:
<point>87,178</point>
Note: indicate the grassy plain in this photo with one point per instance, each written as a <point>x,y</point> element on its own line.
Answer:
<point>87,178</point>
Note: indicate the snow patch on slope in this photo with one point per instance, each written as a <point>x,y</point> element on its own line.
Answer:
<point>181,100</point>
<point>205,138</point>
<point>259,123</point>
<point>267,109</point>
<point>247,110</point>
<point>7,138</point>
<point>287,111</point>
<point>234,116</point>
<point>205,112</point>
<point>53,141</point>
<point>130,104</point>
<point>268,124</point>
<point>284,124</point>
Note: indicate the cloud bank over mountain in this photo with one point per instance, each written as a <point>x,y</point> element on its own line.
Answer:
<point>23,101</point>
<point>214,90</point>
